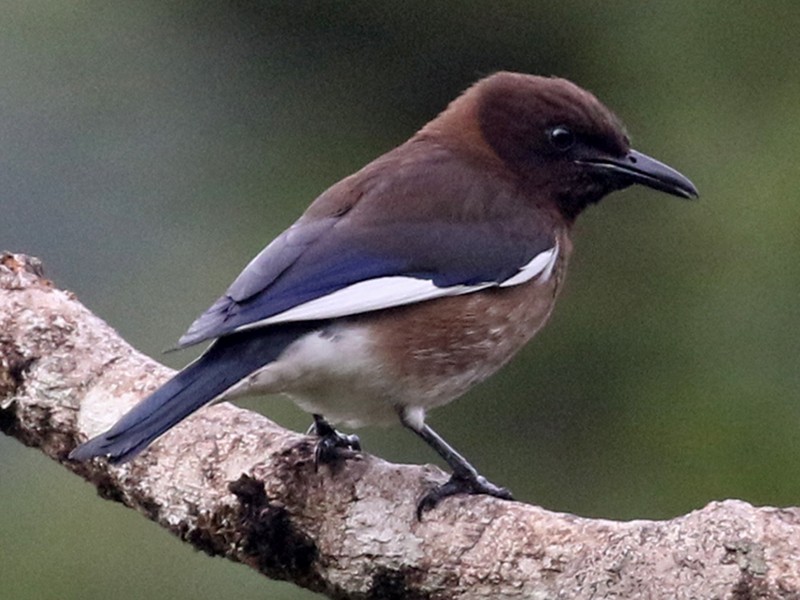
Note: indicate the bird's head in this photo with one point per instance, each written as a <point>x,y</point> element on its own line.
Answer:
<point>558,139</point>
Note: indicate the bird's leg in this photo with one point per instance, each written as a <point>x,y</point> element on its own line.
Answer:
<point>465,478</point>
<point>332,445</point>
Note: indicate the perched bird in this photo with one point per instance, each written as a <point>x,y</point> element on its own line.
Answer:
<point>410,281</point>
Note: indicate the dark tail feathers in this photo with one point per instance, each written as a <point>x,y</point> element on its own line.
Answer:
<point>227,361</point>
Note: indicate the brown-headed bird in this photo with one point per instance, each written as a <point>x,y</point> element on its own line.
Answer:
<point>412,280</point>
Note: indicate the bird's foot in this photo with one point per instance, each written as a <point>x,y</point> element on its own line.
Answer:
<point>460,484</point>
<point>332,446</point>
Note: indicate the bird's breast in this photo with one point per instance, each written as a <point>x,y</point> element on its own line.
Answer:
<point>436,351</point>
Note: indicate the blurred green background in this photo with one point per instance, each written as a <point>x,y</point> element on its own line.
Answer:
<point>150,149</point>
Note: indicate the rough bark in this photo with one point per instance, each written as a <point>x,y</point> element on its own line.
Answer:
<point>232,483</point>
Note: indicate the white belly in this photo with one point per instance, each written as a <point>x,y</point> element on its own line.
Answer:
<point>335,374</point>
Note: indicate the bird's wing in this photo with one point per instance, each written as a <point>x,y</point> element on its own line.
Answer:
<point>325,274</point>
<point>334,266</point>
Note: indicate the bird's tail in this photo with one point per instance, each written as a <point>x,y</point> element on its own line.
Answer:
<point>227,361</point>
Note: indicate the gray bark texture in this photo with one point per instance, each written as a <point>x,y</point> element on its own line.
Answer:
<point>232,483</point>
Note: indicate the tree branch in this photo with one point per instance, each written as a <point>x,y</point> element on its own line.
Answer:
<point>232,483</point>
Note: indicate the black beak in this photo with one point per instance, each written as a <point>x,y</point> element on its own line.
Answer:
<point>636,167</point>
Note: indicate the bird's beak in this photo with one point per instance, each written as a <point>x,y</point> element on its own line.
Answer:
<point>636,167</point>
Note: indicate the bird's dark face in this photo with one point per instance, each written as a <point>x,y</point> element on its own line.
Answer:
<point>559,139</point>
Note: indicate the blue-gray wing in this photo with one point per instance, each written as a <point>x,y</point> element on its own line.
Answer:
<point>373,256</point>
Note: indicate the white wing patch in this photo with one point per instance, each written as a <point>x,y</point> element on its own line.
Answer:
<point>541,263</point>
<point>388,292</point>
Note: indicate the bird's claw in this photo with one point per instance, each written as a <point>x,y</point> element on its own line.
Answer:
<point>332,446</point>
<point>460,484</point>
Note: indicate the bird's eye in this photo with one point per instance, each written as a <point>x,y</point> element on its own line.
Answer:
<point>561,138</point>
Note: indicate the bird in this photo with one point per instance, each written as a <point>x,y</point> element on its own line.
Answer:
<point>412,280</point>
